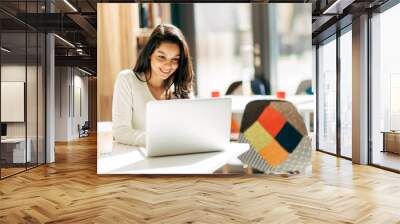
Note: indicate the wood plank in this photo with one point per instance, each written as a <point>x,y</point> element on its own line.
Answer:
<point>70,191</point>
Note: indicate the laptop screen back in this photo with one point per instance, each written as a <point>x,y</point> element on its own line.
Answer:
<point>187,126</point>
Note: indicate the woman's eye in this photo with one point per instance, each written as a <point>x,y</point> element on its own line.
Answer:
<point>161,57</point>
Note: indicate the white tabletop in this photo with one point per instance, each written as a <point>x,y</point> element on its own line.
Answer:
<point>14,140</point>
<point>115,158</point>
<point>131,160</point>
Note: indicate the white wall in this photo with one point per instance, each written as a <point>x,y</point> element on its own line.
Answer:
<point>12,100</point>
<point>12,73</point>
<point>62,81</point>
<point>70,83</point>
<point>79,117</point>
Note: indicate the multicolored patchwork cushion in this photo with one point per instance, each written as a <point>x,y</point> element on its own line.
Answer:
<point>277,137</point>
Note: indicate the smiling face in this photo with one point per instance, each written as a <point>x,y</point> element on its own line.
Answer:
<point>164,60</point>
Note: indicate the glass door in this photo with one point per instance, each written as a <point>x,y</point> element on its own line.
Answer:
<point>385,89</point>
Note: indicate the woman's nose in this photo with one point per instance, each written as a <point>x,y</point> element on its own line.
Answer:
<point>169,63</point>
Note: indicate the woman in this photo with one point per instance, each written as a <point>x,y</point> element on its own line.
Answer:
<point>163,70</point>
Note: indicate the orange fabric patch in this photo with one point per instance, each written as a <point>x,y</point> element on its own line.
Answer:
<point>274,154</point>
<point>272,120</point>
<point>234,126</point>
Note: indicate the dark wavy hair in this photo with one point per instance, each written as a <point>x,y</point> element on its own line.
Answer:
<point>182,78</point>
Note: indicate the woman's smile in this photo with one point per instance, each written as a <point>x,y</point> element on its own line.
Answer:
<point>166,72</point>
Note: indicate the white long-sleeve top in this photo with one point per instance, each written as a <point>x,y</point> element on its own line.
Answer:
<point>129,109</point>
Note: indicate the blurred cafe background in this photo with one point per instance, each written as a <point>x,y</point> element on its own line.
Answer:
<point>251,49</point>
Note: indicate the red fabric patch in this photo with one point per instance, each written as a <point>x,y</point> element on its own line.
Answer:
<point>271,120</point>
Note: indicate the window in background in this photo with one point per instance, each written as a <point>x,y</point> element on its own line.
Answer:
<point>295,51</point>
<point>327,96</point>
<point>385,84</point>
<point>290,55</point>
<point>224,46</point>
<point>346,94</point>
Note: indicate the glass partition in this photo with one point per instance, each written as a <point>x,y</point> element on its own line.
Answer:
<point>13,92</point>
<point>346,94</point>
<point>22,88</point>
<point>31,84</point>
<point>41,91</point>
<point>327,96</point>
<point>31,97</point>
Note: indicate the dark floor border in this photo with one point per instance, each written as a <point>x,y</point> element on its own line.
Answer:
<point>29,168</point>
<point>385,168</point>
<point>333,154</point>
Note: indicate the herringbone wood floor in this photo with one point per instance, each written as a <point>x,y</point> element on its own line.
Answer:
<point>70,191</point>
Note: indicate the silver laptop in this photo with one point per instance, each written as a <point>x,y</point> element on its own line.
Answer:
<point>187,126</point>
